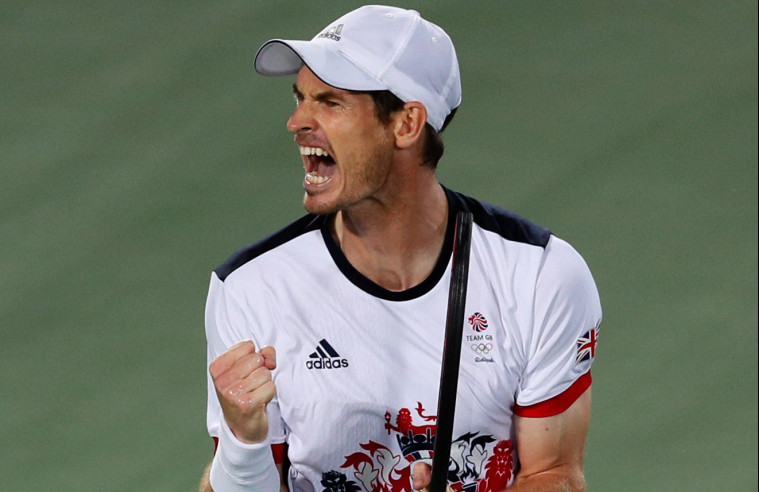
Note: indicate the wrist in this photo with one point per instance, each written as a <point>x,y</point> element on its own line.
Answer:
<point>240,466</point>
<point>244,439</point>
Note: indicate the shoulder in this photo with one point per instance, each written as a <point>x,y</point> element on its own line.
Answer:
<point>504,223</point>
<point>300,227</point>
<point>565,290</point>
<point>563,265</point>
<point>559,268</point>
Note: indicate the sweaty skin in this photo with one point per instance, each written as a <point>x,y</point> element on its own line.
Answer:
<point>244,386</point>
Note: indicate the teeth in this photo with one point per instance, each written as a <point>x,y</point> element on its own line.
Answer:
<point>313,151</point>
<point>316,179</point>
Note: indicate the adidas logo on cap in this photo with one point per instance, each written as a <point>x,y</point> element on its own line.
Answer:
<point>325,357</point>
<point>332,33</point>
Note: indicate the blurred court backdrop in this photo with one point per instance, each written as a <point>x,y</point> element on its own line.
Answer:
<point>138,149</point>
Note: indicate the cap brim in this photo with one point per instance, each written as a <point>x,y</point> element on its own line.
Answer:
<point>276,57</point>
<point>284,57</point>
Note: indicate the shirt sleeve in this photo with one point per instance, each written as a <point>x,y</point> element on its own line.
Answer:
<point>561,347</point>
<point>226,323</point>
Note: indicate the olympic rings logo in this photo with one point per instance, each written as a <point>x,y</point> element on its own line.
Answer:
<point>482,348</point>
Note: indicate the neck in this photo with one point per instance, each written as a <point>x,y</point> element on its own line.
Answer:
<point>397,243</point>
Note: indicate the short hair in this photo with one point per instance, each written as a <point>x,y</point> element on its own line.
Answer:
<point>387,103</point>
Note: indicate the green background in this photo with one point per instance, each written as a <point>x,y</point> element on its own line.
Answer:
<point>138,149</point>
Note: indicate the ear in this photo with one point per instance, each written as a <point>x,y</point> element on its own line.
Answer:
<point>409,124</point>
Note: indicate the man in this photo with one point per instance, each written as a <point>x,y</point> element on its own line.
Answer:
<point>325,339</point>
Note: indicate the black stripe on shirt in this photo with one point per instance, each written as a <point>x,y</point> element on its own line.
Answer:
<point>301,226</point>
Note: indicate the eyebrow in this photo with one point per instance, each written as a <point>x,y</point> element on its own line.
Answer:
<point>319,96</point>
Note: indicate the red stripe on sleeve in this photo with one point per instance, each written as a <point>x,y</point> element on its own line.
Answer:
<point>279,450</point>
<point>558,403</point>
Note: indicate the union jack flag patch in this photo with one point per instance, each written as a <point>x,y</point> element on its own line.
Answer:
<point>586,345</point>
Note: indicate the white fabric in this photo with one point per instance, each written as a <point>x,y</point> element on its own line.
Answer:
<point>342,423</point>
<point>377,48</point>
<point>240,467</point>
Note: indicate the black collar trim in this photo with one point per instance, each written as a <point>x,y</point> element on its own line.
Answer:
<point>377,290</point>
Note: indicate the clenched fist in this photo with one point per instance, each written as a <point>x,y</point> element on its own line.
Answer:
<point>242,378</point>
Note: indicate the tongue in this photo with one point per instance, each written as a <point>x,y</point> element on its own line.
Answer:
<point>321,166</point>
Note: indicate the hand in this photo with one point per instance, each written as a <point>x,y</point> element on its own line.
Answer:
<point>422,474</point>
<point>242,378</point>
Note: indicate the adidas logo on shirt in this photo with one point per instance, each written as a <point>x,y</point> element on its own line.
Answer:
<point>325,357</point>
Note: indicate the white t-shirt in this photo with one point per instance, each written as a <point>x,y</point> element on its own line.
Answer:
<point>358,366</point>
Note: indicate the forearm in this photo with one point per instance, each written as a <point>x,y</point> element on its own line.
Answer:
<point>205,480</point>
<point>283,485</point>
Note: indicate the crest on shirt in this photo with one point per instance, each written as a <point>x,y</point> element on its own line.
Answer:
<point>479,462</point>
<point>479,342</point>
<point>479,322</point>
<point>586,344</point>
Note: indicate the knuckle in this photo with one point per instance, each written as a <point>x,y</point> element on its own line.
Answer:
<point>270,389</point>
<point>252,405</point>
<point>234,391</point>
<point>215,368</point>
<point>244,345</point>
<point>261,374</point>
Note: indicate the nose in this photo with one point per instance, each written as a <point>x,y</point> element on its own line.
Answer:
<point>301,120</point>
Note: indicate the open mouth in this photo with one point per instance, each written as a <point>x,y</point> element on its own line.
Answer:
<point>319,165</point>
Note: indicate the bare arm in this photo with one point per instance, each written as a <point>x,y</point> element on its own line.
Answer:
<point>205,480</point>
<point>283,483</point>
<point>551,449</point>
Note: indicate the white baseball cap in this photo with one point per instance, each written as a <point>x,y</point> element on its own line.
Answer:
<point>376,48</point>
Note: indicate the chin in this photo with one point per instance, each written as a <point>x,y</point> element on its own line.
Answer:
<point>318,207</point>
